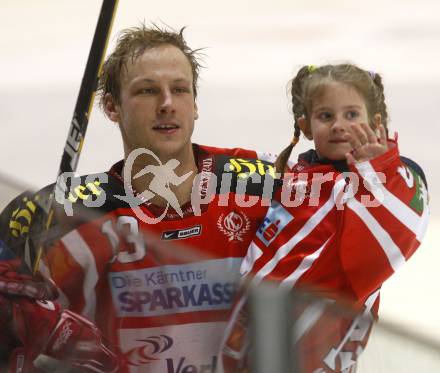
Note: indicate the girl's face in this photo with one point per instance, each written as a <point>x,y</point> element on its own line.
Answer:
<point>333,111</point>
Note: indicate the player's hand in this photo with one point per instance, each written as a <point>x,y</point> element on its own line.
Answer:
<point>366,144</point>
<point>14,281</point>
<point>43,328</point>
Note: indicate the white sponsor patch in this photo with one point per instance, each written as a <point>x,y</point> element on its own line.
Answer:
<point>173,349</point>
<point>208,285</point>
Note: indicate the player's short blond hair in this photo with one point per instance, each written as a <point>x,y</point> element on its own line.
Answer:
<point>131,43</point>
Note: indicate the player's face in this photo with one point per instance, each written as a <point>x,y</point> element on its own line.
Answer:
<point>157,107</point>
<point>332,113</point>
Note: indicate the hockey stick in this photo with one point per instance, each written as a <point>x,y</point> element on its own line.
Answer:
<point>78,126</point>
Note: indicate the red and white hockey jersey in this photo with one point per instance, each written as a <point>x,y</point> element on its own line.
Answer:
<point>161,292</point>
<point>339,233</point>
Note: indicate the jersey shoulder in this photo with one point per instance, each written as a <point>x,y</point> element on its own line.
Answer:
<point>244,175</point>
<point>239,153</point>
<point>233,152</point>
<point>415,167</point>
<point>85,198</point>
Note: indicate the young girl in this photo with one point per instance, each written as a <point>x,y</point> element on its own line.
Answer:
<point>349,213</point>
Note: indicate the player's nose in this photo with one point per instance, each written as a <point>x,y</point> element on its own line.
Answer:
<point>340,125</point>
<point>166,101</point>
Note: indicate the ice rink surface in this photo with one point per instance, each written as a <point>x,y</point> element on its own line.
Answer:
<point>252,50</point>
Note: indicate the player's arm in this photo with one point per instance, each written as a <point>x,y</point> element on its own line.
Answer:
<point>43,328</point>
<point>384,223</point>
<point>20,232</point>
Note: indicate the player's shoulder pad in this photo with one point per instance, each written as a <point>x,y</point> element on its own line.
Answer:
<point>18,216</point>
<point>244,176</point>
<point>415,167</point>
<point>82,198</point>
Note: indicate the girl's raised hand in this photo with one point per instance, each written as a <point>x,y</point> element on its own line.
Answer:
<point>365,143</point>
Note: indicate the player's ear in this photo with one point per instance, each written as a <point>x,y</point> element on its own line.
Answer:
<point>196,111</point>
<point>377,120</point>
<point>111,108</point>
<point>305,128</point>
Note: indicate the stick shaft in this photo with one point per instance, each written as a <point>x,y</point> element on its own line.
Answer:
<point>80,120</point>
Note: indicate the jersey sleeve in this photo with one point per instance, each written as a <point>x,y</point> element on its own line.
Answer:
<point>384,222</point>
<point>74,256</point>
<point>364,226</point>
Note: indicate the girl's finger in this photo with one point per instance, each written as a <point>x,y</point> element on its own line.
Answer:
<point>353,140</point>
<point>359,132</point>
<point>383,135</point>
<point>371,136</point>
<point>350,159</point>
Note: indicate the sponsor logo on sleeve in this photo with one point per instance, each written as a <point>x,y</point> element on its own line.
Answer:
<point>420,198</point>
<point>63,337</point>
<point>182,233</point>
<point>21,218</point>
<point>276,219</point>
<point>86,191</point>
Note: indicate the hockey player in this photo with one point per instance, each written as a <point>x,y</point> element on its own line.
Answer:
<point>350,213</point>
<point>161,309</point>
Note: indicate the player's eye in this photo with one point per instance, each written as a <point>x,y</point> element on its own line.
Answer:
<point>148,91</point>
<point>179,90</point>
<point>325,116</point>
<point>352,114</point>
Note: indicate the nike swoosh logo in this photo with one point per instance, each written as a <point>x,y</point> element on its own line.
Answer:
<point>168,235</point>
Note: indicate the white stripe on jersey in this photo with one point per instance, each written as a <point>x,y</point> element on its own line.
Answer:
<point>81,252</point>
<point>309,317</point>
<point>305,230</point>
<point>346,357</point>
<point>394,205</point>
<point>252,255</point>
<point>304,266</point>
<point>391,250</point>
